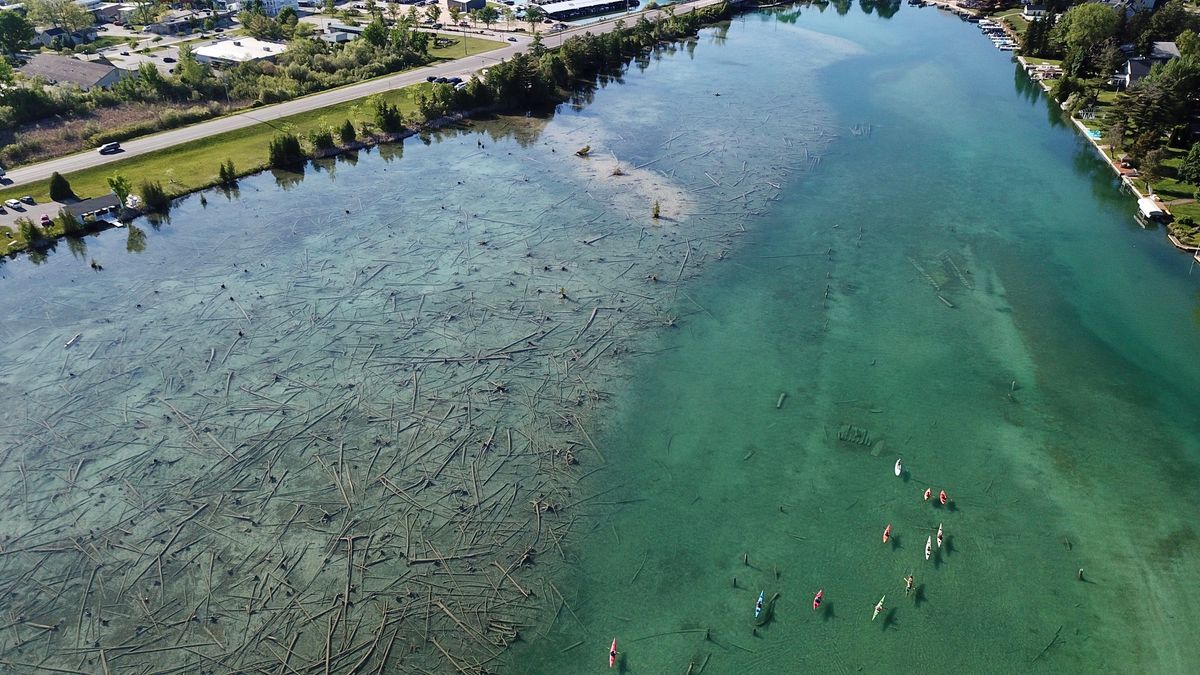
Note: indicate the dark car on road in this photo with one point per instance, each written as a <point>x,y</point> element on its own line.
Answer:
<point>110,148</point>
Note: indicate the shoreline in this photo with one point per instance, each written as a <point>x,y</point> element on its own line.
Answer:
<point>1100,149</point>
<point>584,32</point>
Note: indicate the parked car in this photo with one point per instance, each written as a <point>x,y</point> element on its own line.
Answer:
<point>45,220</point>
<point>512,39</point>
<point>431,78</point>
<point>110,148</point>
<point>454,80</point>
<point>124,53</point>
<point>1,172</point>
<point>167,59</point>
<point>28,200</point>
<point>12,203</point>
<point>437,26</point>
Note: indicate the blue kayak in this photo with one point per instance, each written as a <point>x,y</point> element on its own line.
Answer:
<point>758,606</point>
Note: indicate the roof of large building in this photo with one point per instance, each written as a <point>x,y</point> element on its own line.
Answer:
<point>63,69</point>
<point>241,50</point>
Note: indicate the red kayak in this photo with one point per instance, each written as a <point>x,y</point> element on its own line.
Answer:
<point>942,497</point>
<point>928,492</point>
<point>612,654</point>
<point>817,598</point>
<point>887,533</point>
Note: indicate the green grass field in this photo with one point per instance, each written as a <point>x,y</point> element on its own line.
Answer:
<point>465,45</point>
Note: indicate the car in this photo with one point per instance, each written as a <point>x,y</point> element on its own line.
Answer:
<point>167,59</point>
<point>124,53</point>
<point>512,39</point>
<point>28,200</point>
<point>441,80</point>
<point>454,80</point>
<point>1,172</point>
<point>437,26</point>
<point>110,148</point>
<point>464,24</point>
<point>218,30</point>
<point>101,28</point>
<point>431,78</point>
<point>45,219</point>
<point>12,203</point>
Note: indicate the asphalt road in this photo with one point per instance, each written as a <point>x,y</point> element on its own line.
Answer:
<point>461,67</point>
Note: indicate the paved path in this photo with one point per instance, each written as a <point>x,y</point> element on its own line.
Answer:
<point>166,139</point>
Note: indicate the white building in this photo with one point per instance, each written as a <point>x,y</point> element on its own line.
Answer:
<point>270,7</point>
<point>241,50</point>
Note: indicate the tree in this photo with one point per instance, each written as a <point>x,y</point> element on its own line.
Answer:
<point>1189,169</point>
<point>121,187</point>
<point>1085,26</point>
<point>487,16</point>
<point>65,14</point>
<point>190,71</point>
<point>15,32</point>
<point>330,7</point>
<point>375,33</point>
<point>508,15</point>
<point>455,14</point>
<point>6,72</point>
<point>534,15</point>
<point>1189,43</point>
<point>1151,167</point>
<point>434,13</point>
<point>60,189</point>
<point>1116,137</point>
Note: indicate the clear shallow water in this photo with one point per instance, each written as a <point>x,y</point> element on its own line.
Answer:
<point>942,171</point>
<point>1090,462</point>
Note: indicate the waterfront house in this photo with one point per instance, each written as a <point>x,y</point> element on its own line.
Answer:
<point>1138,67</point>
<point>56,69</point>
<point>1034,12</point>
<point>95,206</point>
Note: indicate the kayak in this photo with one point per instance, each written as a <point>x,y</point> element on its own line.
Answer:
<point>928,493</point>
<point>612,653</point>
<point>899,468</point>
<point>942,497</point>
<point>887,533</point>
<point>939,535</point>
<point>878,608</point>
<point>928,547</point>
<point>817,598</point>
<point>758,606</point>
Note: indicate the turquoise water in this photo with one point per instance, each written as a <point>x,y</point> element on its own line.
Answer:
<point>1054,402</point>
<point>884,221</point>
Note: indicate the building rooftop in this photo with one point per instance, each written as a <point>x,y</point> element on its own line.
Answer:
<point>1164,51</point>
<point>241,50</point>
<point>65,70</point>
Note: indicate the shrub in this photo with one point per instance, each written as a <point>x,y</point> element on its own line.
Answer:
<point>154,197</point>
<point>285,150</point>
<point>387,116</point>
<point>321,138</point>
<point>346,133</point>
<point>60,189</point>
<point>227,174</point>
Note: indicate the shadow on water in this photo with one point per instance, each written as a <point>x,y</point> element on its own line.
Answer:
<point>919,597</point>
<point>827,611</point>
<point>889,619</point>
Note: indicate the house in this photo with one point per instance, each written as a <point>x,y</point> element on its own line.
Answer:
<point>47,37</point>
<point>185,21</point>
<point>1139,67</point>
<point>240,50</point>
<point>1034,12</point>
<point>1131,7</point>
<point>57,69</point>
<point>465,5</point>
<point>96,206</point>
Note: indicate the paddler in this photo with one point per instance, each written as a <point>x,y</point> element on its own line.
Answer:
<point>928,493</point>
<point>942,497</point>
<point>878,608</point>
<point>908,584</point>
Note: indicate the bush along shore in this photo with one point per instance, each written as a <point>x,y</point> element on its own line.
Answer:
<point>534,80</point>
